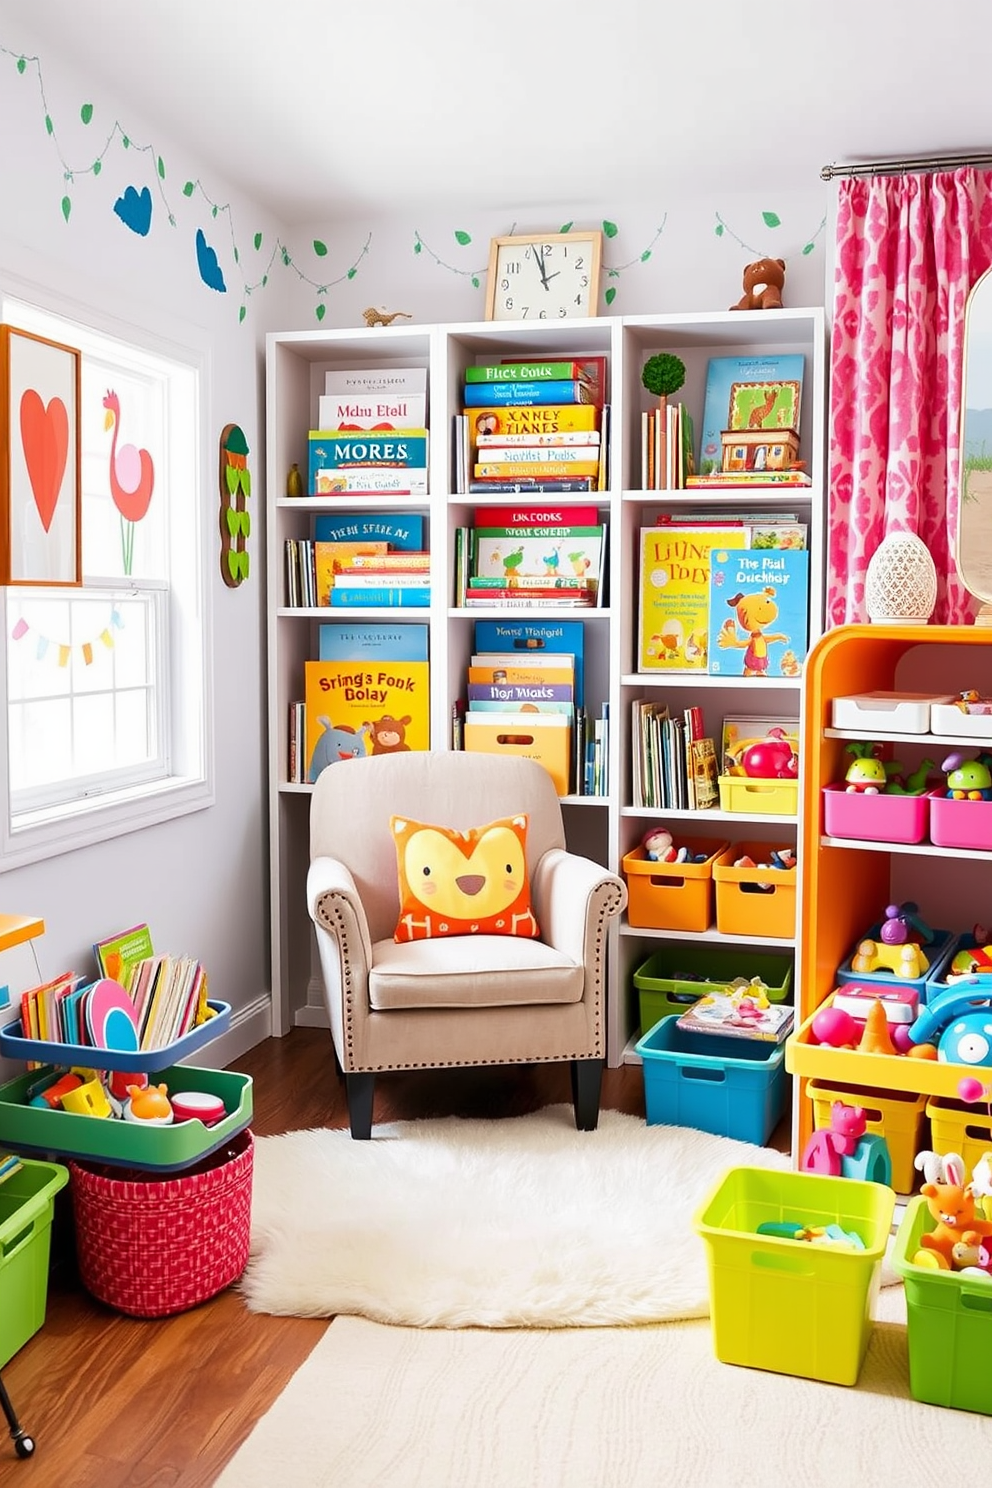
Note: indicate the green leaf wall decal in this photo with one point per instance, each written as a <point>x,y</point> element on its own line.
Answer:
<point>566,228</point>
<point>645,255</point>
<point>808,249</point>
<point>257,240</point>
<point>231,482</point>
<point>246,481</point>
<point>417,247</point>
<point>66,207</point>
<point>319,248</point>
<point>125,141</point>
<point>351,273</point>
<point>719,229</point>
<point>610,229</point>
<point>463,238</point>
<point>86,112</point>
<point>21,64</point>
<point>97,167</point>
<point>161,168</point>
<point>475,281</point>
<point>610,295</point>
<point>48,124</point>
<point>771,219</point>
<point>189,188</point>
<point>242,313</point>
<point>321,311</point>
<point>233,520</point>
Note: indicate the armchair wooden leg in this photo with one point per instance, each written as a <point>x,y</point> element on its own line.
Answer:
<point>360,1088</point>
<point>587,1079</point>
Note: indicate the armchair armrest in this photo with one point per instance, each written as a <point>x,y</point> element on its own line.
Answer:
<point>573,898</point>
<point>335,907</point>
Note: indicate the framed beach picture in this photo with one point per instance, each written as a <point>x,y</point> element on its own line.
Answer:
<point>40,492</point>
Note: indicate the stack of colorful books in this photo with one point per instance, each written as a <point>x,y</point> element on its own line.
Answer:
<point>372,436</point>
<point>531,557</point>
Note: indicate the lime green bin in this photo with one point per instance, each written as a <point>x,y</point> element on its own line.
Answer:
<point>27,1205</point>
<point>786,1305</point>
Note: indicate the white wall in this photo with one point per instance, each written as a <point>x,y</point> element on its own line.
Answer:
<point>201,880</point>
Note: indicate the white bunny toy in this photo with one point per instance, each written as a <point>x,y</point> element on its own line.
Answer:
<point>934,1167</point>
<point>981,1184</point>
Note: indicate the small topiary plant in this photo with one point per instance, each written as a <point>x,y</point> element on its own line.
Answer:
<point>663,374</point>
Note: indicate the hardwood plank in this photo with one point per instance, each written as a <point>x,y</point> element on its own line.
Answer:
<point>117,1402</point>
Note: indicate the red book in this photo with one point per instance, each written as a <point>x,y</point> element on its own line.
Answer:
<point>536,516</point>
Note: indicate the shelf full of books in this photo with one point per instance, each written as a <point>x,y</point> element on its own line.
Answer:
<point>549,513</point>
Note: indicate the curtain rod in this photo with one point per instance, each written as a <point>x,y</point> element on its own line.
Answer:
<point>905,166</point>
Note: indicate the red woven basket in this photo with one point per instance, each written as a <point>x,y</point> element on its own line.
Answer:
<point>151,1246</point>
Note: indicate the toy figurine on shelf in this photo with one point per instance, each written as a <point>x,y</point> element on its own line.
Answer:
<point>902,924</point>
<point>871,776</point>
<point>968,779</point>
<point>772,758</point>
<point>660,848</point>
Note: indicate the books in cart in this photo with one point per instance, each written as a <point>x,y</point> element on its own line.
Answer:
<point>740,1012</point>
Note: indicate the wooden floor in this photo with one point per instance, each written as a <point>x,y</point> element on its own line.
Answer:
<point>117,1402</point>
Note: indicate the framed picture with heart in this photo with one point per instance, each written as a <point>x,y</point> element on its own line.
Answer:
<point>40,491</point>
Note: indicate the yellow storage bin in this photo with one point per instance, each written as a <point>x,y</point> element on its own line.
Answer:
<point>896,1115</point>
<point>744,906</point>
<point>671,896</point>
<point>545,737</point>
<point>958,1126</point>
<point>788,1305</point>
<point>758,797</point>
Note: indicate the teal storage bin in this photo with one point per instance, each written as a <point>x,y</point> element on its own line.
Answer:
<point>27,1204</point>
<point>948,1324</point>
<point>676,975</point>
<point>732,1087</point>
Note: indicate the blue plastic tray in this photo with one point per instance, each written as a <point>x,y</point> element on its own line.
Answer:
<point>14,1045</point>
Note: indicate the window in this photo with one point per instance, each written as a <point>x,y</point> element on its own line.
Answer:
<point>105,684</point>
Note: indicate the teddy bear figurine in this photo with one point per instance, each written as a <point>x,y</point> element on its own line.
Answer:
<point>764,281</point>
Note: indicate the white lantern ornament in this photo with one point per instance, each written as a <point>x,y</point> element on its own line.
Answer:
<point>901,582</point>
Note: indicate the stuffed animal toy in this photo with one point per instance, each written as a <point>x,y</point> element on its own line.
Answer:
<point>763,285</point>
<point>953,1207</point>
<point>658,845</point>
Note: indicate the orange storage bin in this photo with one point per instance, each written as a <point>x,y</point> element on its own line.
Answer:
<point>743,905</point>
<point>896,1115</point>
<point>671,896</point>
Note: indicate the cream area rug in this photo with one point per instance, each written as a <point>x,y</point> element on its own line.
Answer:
<point>520,1222</point>
<point>644,1407</point>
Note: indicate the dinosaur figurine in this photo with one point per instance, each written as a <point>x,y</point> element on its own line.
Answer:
<point>911,785</point>
<point>374,317</point>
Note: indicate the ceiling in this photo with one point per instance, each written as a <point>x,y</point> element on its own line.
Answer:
<point>319,109</point>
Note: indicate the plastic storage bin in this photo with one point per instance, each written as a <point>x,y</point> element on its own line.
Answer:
<point>948,1324</point>
<point>896,1115</point>
<point>757,797</point>
<point>151,1247</point>
<point>876,713</point>
<point>878,818</point>
<point>674,976</point>
<point>671,896</point>
<point>733,1087</point>
<point>946,718</point>
<point>938,953</point>
<point>966,824</point>
<point>744,905</point>
<point>958,1126</point>
<point>782,1304</point>
<point>27,1203</point>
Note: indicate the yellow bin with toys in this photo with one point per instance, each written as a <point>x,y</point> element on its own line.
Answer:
<point>896,1115</point>
<point>962,1127</point>
<point>794,1306</point>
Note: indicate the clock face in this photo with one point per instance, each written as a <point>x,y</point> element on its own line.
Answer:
<point>555,277</point>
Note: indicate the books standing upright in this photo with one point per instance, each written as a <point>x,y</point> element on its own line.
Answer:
<point>759,622</point>
<point>674,595</point>
<point>747,393</point>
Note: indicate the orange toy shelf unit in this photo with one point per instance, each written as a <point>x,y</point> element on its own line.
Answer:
<point>847,882</point>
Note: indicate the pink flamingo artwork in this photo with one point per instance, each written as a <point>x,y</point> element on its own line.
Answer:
<point>132,479</point>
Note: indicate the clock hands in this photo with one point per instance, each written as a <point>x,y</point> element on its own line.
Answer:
<point>545,276</point>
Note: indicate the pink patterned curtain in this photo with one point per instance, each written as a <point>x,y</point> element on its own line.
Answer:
<point>909,248</point>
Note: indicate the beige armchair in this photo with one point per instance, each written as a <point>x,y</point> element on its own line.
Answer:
<point>474,999</point>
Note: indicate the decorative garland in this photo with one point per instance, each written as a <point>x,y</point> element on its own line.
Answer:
<point>770,219</point>
<point>44,643</point>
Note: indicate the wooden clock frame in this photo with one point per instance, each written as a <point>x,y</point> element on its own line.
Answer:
<point>593,238</point>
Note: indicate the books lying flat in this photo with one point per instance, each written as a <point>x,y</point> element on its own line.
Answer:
<point>516,394</point>
<point>739,1015</point>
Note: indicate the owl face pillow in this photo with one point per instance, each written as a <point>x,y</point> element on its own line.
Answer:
<point>462,883</point>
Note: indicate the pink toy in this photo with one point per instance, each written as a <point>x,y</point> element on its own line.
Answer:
<point>833,1026</point>
<point>827,1145</point>
<point>772,758</point>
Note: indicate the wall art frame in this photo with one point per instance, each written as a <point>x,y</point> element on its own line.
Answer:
<point>40,481</point>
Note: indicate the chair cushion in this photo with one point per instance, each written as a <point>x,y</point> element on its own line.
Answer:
<point>478,971</point>
<point>462,883</point>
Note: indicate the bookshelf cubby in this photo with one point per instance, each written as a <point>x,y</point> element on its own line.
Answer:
<point>602,827</point>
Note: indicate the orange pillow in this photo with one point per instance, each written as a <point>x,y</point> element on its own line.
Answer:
<point>462,883</point>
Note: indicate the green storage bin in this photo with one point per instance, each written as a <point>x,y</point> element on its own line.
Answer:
<point>132,1144</point>
<point>948,1324</point>
<point>27,1203</point>
<point>674,977</point>
<point>786,1305</point>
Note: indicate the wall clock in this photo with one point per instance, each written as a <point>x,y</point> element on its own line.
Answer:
<point>545,276</point>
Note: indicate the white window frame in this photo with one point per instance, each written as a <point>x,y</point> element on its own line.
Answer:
<point>31,835</point>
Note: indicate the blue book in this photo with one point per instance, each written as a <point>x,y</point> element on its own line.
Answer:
<point>530,636</point>
<point>380,642</point>
<point>396,528</point>
<point>759,611</point>
<point>756,392</point>
<point>379,596</point>
<point>516,394</point>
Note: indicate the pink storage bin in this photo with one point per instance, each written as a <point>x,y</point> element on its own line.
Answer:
<point>878,818</point>
<point>960,823</point>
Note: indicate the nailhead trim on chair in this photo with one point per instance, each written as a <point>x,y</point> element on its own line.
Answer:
<point>612,902</point>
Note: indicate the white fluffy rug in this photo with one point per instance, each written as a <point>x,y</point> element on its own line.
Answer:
<point>522,1222</point>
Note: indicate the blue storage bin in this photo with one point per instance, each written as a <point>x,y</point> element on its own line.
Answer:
<point>938,953</point>
<point>732,1087</point>
<point>939,980</point>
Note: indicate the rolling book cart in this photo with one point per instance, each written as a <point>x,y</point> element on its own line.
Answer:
<point>162,1212</point>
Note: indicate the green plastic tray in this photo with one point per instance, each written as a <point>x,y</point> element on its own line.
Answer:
<point>127,1143</point>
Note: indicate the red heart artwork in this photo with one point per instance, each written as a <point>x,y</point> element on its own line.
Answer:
<point>45,439</point>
